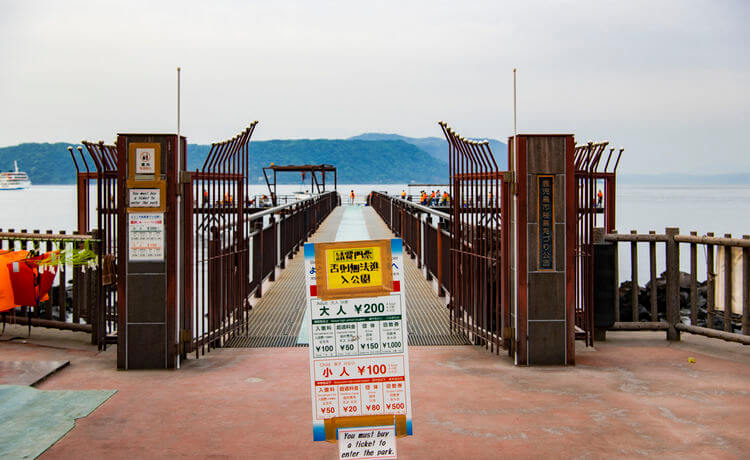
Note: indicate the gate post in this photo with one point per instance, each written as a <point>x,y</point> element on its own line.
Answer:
<point>148,183</point>
<point>542,260</point>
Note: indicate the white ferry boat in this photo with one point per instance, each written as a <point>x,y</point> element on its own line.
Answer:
<point>14,180</point>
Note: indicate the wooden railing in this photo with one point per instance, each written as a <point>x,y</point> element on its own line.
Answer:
<point>682,308</point>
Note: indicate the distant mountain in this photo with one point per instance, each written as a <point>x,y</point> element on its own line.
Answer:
<point>357,161</point>
<point>438,146</point>
<point>369,158</point>
<point>45,163</point>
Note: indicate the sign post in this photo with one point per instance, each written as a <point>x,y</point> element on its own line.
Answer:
<point>359,361</point>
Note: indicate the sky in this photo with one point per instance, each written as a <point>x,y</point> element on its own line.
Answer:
<point>667,80</point>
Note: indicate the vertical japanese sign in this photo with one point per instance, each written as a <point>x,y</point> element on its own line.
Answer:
<point>546,222</point>
<point>359,363</point>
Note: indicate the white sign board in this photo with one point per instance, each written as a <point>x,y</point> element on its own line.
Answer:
<point>146,237</point>
<point>145,160</point>
<point>144,198</point>
<point>359,363</point>
<point>367,443</point>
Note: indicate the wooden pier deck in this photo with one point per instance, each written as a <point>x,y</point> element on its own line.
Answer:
<point>276,318</point>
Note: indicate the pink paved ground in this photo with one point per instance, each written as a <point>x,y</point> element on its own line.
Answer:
<point>636,395</point>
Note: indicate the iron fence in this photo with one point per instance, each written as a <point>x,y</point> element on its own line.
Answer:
<point>464,249</point>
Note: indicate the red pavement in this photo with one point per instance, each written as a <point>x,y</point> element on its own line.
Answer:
<point>635,396</point>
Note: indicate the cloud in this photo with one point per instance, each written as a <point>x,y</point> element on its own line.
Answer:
<point>666,80</point>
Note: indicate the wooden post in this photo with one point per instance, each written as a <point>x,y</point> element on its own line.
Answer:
<point>711,283</point>
<point>96,309</point>
<point>652,265</point>
<point>694,282</point>
<point>673,284</point>
<point>727,286</point>
<point>634,271</point>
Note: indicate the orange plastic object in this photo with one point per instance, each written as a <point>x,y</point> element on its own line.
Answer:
<point>6,290</point>
<point>29,281</point>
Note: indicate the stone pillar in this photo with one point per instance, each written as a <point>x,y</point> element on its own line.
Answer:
<point>542,264</point>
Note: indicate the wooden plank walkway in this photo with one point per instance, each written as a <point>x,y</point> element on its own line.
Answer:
<point>276,319</point>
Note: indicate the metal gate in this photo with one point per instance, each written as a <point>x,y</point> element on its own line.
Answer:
<point>216,246</point>
<point>480,203</point>
<point>591,212</point>
<point>103,158</point>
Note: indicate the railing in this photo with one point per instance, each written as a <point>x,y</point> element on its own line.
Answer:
<point>424,232</point>
<point>675,301</point>
<point>228,272</point>
<point>72,303</point>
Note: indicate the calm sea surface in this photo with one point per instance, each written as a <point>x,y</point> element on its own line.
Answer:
<point>718,209</point>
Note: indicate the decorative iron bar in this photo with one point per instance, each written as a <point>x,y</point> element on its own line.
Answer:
<point>464,249</point>
<point>230,248</point>
<point>478,246</point>
<point>103,157</point>
<point>591,181</point>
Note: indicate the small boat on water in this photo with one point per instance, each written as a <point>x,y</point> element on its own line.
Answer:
<point>14,180</point>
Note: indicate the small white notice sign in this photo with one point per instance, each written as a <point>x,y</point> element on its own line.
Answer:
<point>370,442</point>
<point>146,237</point>
<point>145,198</point>
<point>145,160</point>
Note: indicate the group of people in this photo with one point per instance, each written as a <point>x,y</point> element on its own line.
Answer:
<point>434,198</point>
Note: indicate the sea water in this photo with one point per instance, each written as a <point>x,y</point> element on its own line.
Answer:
<point>718,209</point>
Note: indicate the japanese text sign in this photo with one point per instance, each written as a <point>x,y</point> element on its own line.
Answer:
<point>353,269</point>
<point>546,222</point>
<point>359,365</point>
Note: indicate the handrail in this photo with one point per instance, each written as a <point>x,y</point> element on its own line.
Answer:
<point>422,208</point>
<point>743,243</point>
<point>275,209</point>
<point>281,207</point>
<point>661,238</point>
<point>636,237</point>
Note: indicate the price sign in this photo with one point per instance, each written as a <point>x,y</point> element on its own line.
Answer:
<point>359,364</point>
<point>146,237</point>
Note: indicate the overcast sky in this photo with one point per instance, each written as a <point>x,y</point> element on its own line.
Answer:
<point>669,81</point>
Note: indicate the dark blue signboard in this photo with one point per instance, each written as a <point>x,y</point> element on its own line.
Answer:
<point>546,222</point>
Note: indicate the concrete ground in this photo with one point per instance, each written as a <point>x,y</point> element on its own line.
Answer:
<point>635,395</point>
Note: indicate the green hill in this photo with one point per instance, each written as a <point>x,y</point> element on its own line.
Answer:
<point>437,146</point>
<point>358,161</point>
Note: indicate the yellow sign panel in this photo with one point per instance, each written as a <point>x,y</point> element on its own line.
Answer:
<point>354,267</point>
<point>346,270</point>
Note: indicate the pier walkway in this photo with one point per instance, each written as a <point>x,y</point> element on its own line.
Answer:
<point>277,318</point>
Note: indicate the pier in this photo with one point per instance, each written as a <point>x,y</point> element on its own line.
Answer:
<point>521,342</point>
